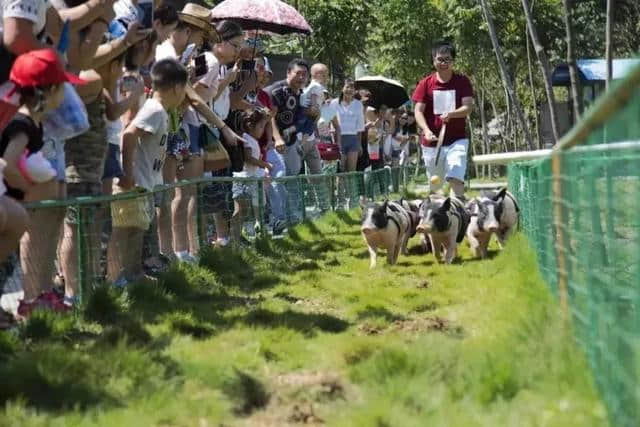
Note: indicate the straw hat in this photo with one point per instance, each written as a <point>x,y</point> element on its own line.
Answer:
<point>199,17</point>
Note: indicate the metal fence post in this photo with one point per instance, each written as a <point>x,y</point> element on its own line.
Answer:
<point>332,189</point>
<point>80,244</point>
<point>201,231</point>
<point>260,213</point>
<point>303,205</point>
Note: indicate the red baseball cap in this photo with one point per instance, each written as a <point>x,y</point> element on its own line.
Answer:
<point>41,68</point>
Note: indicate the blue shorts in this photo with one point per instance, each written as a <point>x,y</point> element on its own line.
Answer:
<point>183,145</point>
<point>395,154</point>
<point>350,144</point>
<point>112,167</point>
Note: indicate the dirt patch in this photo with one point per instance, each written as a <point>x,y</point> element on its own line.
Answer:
<point>416,325</point>
<point>425,284</point>
<point>427,324</point>
<point>370,329</point>
<point>301,398</point>
<point>304,416</point>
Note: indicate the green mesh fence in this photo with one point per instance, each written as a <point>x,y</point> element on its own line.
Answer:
<point>586,232</point>
<point>97,239</point>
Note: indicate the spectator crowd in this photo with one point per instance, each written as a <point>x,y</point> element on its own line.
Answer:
<point>101,97</point>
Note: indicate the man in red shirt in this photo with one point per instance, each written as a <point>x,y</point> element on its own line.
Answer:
<point>444,97</point>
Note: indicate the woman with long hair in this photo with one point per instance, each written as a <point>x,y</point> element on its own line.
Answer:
<point>351,119</point>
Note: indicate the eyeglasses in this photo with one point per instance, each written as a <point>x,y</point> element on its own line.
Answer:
<point>445,60</point>
<point>236,46</point>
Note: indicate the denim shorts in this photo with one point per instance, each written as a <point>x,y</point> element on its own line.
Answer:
<point>183,146</point>
<point>112,167</point>
<point>350,144</point>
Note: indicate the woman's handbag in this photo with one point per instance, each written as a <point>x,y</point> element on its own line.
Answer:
<point>215,155</point>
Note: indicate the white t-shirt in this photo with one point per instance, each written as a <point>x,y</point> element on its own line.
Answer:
<point>316,89</point>
<point>31,10</point>
<point>222,106</point>
<point>210,80</point>
<point>250,171</point>
<point>154,120</point>
<point>351,117</point>
<point>166,50</point>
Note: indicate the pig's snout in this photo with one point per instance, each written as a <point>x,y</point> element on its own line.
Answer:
<point>366,230</point>
<point>492,227</point>
<point>423,228</point>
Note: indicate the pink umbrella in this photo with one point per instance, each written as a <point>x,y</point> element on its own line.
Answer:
<point>273,16</point>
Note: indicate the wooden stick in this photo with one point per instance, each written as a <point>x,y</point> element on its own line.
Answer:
<point>443,130</point>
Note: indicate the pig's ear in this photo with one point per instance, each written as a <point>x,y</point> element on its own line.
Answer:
<point>385,204</point>
<point>446,205</point>
<point>501,194</point>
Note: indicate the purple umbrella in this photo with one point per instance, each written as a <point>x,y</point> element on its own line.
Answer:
<point>272,16</point>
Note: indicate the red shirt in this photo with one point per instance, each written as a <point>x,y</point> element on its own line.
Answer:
<point>439,98</point>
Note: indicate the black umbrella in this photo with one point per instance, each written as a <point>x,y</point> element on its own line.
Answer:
<point>384,91</point>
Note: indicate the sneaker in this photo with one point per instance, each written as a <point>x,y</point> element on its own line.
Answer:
<point>222,242</point>
<point>279,227</point>
<point>70,301</point>
<point>186,257</point>
<point>47,300</point>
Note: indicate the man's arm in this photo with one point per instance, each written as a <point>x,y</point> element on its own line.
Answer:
<point>277,136</point>
<point>421,121</point>
<point>108,51</point>
<point>461,113</point>
<point>84,14</point>
<point>17,36</point>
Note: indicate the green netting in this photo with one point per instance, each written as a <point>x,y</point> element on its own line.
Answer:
<point>94,244</point>
<point>598,208</point>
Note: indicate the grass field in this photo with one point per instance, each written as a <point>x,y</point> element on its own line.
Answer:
<point>300,331</point>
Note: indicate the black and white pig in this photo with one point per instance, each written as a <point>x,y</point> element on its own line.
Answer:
<point>413,209</point>
<point>494,212</point>
<point>388,226</point>
<point>445,222</point>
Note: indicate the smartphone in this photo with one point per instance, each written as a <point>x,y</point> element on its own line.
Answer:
<point>146,20</point>
<point>201,65</point>
<point>186,55</point>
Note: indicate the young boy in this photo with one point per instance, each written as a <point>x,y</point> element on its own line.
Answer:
<point>143,154</point>
<point>311,102</point>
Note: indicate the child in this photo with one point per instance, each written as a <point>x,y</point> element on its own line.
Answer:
<point>312,99</point>
<point>39,76</point>
<point>254,123</point>
<point>143,154</point>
